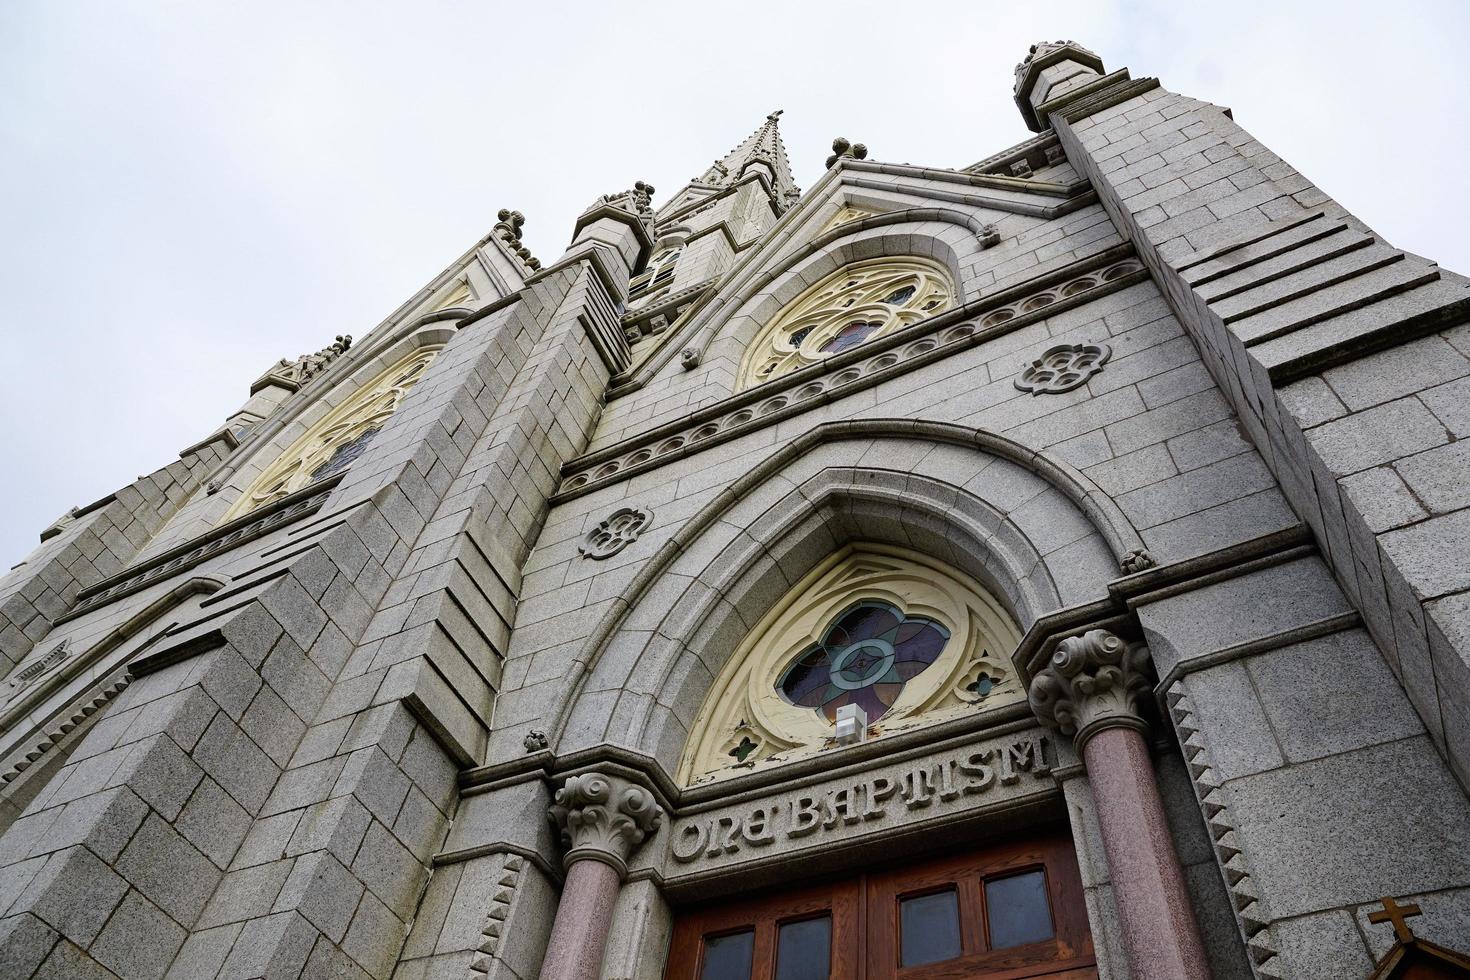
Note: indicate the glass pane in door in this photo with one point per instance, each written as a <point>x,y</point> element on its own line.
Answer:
<point>728,957</point>
<point>929,928</point>
<point>1017,910</point>
<point>804,949</point>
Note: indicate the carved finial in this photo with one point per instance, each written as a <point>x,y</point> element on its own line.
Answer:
<point>508,230</point>
<point>604,818</point>
<point>1093,682</point>
<point>294,374</point>
<point>842,148</point>
<point>775,115</point>
<point>643,197</point>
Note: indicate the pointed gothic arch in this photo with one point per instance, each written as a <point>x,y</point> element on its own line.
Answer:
<point>1032,530</point>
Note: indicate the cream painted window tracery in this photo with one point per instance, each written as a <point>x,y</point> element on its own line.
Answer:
<point>871,617</point>
<point>339,437</point>
<point>855,304</point>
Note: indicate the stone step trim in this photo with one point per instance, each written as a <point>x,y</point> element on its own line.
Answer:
<point>1353,291</point>
<point>1283,237</point>
<point>1287,260</point>
<point>868,365</point>
<point>1283,289</point>
<point>1264,233</point>
<point>1395,320</point>
<point>218,540</point>
<point>1252,916</point>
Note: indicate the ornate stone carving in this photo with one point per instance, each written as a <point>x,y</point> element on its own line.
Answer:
<point>689,358</point>
<point>604,818</point>
<point>293,374</point>
<point>508,230</point>
<point>1063,367</point>
<point>28,674</point>
<point>1094,681</point>
<point>1137,560</point>
<point>1021,168</point>
<point>842,148</point>
<point>535,740</point>
<point>989,236</point>
<point>743,416</point>
<point>620,529</point>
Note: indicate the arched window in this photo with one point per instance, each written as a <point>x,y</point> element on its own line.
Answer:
<point>339,437</point>
<point>907,639</point>
<point>855,304</point>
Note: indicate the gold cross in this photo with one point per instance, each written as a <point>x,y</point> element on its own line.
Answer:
<point>1396,913</point>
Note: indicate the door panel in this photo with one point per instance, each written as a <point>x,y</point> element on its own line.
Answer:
<point>1038,927</point>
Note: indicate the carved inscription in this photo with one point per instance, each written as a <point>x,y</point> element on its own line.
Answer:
<point>933,783</point>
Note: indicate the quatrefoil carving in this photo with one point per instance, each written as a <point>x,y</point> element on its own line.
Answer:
<point>1063,368</point>
<point>619,530</point>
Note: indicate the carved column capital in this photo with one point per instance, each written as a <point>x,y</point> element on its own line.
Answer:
<point>603,818</point>
<point>1093,682</point>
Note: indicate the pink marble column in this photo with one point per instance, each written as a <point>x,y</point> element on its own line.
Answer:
<point>582,920</point>
<point>602,819</point>
<point>1148,883</point>
<point>1091,689</point>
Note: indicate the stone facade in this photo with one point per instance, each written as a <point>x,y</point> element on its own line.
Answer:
<point>421,714</point>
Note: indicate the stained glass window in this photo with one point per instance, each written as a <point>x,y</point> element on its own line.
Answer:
<point>849,336</point>
<point>856,304</point>
<point>865,657</point>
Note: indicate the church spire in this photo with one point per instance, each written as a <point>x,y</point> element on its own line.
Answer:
<point>763,151</point>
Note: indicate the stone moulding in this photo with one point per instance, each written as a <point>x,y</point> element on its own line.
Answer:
<point>1251,914</point>
<point>258,522</point>
<point>844,374</point>
<point>40,745</point>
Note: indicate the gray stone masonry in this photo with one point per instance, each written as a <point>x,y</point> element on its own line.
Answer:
<point>325,745</point>
<point>1339,354</point>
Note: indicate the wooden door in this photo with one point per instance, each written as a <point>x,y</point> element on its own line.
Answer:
<point>710,943</point>
<point>1003,913</point>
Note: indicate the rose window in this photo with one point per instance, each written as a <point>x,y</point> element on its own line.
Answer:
<point>864,658</point>
<point>854,305</point>
<point>908,639</point>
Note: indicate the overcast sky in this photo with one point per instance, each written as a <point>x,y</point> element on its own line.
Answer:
<point>192,190</point>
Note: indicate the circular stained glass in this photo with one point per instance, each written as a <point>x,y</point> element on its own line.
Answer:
<point>865,658</point>
<point>849,336</point>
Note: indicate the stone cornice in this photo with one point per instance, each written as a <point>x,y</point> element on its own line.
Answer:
<point>1024,185</point>
<point>865,366</point>
<point>217,540</point>
<point>1128,592</point>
